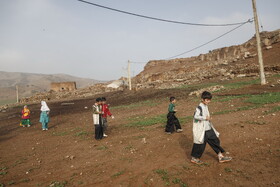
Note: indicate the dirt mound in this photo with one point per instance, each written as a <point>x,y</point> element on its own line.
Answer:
<point>137,152</point>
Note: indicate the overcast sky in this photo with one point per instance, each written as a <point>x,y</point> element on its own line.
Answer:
<point>71,37</point>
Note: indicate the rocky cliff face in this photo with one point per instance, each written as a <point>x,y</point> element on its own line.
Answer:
<point>224,63</point>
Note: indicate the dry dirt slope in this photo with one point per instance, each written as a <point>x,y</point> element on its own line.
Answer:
<point>137,151</point>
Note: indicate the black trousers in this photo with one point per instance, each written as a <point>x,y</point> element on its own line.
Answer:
<point>210,138</point>
<point>172,122</point>
<point>99,130</point>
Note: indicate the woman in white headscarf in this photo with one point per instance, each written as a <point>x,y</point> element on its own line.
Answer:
<point>44,117</point>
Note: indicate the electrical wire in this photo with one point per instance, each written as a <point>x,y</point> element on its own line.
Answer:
<point>251,20</point>
<point>159,19</point>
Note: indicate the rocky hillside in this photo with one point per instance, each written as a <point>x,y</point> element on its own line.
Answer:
<point>217,65</point>
<point>30,83</point>
<point>224,63</point>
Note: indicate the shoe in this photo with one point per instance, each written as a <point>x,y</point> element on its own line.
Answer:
<point>105,135</point>
<point>196,161</point>
<point>43,129</point>
<point>28,125</point>
<point>168,132</point>
<point>224,159</point>
<point>46,129</point>
<point>23,125</point>
<point>179,130</point>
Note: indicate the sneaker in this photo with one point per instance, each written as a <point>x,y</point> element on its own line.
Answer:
<point>168,132</point>
<point>28,125</point>
<point>43,129</point>
<point>196,161</point>
<point>46,129</point>
<point>105,135</point>
<point>179,130</point>
<point>224,159</point>
<point>23,125</point>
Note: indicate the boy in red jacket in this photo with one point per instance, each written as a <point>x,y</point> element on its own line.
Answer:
<point>106,112</point>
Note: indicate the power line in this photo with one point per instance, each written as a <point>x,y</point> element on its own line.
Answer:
<point>249,21</point>
<point>159,19</point>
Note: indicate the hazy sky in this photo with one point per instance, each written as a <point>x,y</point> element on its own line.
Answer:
<point>67,36</point>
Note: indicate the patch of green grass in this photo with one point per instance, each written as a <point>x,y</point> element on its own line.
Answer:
<point>229,97</point>
<point>60,133</point>
<point>3,172</point>
<point>276,75</point>
<point>25,180</point>
<point>186,119</point>
<point>82,134</point>
<point>4,168</point>
<point>256,122</point>
<point>11,182</point>
<point>193,87</point>
<point>161,172</point>
<point>58,184</point>
<point>20,161</point>
<point>102,147</point>
<point>273,110</point>
<point>228,170</point>
<point>136,105</point>
<point>164,176</point>
<point>143,122</point>
<point>80,182</point>
<point>129,147</point>
<point>118,174</point>
<point>236,85</point>
<point>265,98</point>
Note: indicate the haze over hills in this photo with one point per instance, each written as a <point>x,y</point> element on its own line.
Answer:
<point>30,83</point>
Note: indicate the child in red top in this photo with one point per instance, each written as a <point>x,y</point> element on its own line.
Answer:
<point>25,117</point>
<point>106,112</point>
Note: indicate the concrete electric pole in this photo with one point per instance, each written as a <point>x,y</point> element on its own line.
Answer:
<point>260,57</point>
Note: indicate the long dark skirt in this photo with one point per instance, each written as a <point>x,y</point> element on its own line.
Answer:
<point>172,122</point>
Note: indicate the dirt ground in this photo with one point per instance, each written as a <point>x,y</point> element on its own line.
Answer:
<point>68,155</point>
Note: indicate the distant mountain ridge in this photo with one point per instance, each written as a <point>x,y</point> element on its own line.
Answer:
<point>30,83</point>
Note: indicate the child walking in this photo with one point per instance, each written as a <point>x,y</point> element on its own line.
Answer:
<point>44,116</point>
<point>204,132</point>
<point>106,112</point>
<point>25,117</point>
<point>172,120</point>
<point>97,119</point>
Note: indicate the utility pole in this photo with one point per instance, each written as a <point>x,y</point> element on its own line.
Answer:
<point>17,92</point>
<point>128,73</point>
<point>260,57</point>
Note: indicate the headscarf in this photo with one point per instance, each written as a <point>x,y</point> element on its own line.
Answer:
<point>44,106</point>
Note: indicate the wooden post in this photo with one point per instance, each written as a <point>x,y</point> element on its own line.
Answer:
<point>128,73</point>
<point>260,57</point>
<point>17,92</point>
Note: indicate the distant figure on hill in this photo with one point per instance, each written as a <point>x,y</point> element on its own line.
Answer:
<point>97,119</point>
<point>44,116</point>
<point>25,117</point>
<point>172,120</point>
<point>106,112</point>
<point>204,132</point>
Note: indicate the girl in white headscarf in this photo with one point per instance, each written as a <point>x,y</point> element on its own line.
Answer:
<point>44,117</point>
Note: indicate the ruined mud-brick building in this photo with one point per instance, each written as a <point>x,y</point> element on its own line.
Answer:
<point>63,86</point>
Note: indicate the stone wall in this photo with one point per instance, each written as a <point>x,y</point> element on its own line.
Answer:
<point>63,86</point>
